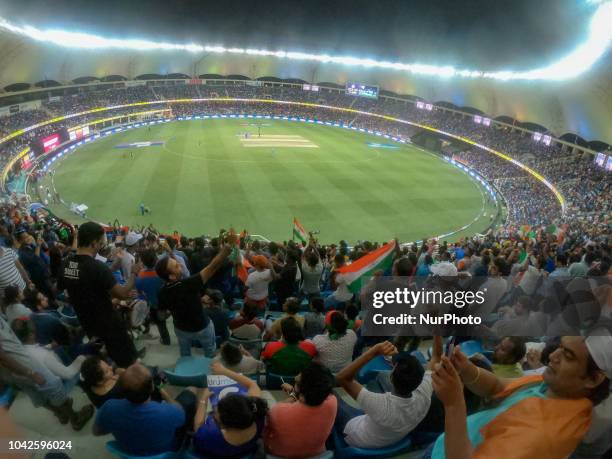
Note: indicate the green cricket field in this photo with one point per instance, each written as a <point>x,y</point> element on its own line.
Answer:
<point>259,174</point>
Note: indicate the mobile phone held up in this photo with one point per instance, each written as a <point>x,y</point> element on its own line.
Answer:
<point>450,347</point>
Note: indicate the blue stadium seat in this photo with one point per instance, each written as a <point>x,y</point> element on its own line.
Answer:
<point>189,371</point>
<point>344,451</point>
<point>471,347</point>
<point>371,369</point>
<point>115,450</point>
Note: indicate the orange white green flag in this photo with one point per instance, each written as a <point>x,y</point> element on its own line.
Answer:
<point>299,232</point>
<point>362,269</point>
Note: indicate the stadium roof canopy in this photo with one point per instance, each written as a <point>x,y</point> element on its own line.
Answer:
<point>580,105</point>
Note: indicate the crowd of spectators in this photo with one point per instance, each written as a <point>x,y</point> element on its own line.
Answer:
<point>586,187</point>
<point>70,298</point>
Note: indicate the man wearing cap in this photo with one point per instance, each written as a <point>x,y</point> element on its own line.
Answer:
<point>127,258</point>
<point>535,416</point>
<point>258,281</point>
<point>444,269</point>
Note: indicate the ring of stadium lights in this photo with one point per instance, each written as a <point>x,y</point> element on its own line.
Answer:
<point>571,65</point>
<point>474,174</point>
<point>527,169</point>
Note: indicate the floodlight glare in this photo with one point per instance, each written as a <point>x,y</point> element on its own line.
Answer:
<point>573,64</point>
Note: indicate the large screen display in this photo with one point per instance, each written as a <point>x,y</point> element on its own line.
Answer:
<point>601,159</point>
<point>362,90</point>
<point>51,142</point>
<point>310,87</point>
<point>78,133</point>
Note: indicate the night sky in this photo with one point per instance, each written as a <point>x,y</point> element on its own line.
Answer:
<point>477,34</point>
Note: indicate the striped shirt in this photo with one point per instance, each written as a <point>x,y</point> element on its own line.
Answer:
<point>9,274</point>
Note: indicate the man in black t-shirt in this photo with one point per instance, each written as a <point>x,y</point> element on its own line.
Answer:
<point>183,298</point>
<point>91,287</point>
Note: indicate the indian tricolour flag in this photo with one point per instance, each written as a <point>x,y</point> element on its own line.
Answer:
<point>557,231</point>
<point>362,269</point>
<point>299,232</point>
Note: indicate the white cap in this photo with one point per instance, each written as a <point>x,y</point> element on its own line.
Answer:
<point>444,269</point>
<point>132,238</point>
<point>599,344</point>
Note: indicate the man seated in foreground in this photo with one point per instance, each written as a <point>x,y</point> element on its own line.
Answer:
<point>386,418</point>
<point>299,426</point>
<point>17,367</point>
<point>507,357</point>
<point>535,416</point>
<point>140,425</point>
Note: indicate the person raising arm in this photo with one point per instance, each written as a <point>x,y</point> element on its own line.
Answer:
<point>346,377</point>
<point>183,298</point>
<point>448,380</point>
<point>173,267</point>
<point>385,418</point>
<point>534,416</point>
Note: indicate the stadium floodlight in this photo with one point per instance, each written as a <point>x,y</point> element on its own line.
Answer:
<point>571,65</point>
